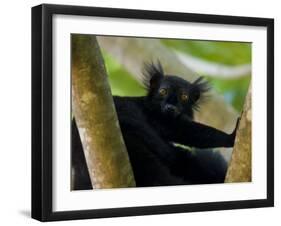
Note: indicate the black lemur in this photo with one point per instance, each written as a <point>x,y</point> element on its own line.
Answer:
<point>152,125</point>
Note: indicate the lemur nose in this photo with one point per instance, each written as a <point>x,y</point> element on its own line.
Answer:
<point>170,108</point>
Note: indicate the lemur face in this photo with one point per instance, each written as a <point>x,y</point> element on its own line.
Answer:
<point>170,94</point>
<point>173,95</point>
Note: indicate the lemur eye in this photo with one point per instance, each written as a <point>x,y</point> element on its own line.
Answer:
<point>184,97</point>
<point>163,92</point>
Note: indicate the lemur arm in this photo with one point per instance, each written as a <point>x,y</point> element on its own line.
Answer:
<point>194,134</point>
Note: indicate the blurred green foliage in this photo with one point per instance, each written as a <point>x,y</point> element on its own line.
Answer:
<point>227,53</point>
<point>121,82</point>
<point>233,90</point>
<point>230,53</point>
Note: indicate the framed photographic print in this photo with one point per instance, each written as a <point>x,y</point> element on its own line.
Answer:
<point>145,112</point>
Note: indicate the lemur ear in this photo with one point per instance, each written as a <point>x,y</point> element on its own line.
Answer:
<point>198,91</point>
<point>153,73</point>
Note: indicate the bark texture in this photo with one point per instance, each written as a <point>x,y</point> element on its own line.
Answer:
<point>92,104</point>
<point>240,168</point>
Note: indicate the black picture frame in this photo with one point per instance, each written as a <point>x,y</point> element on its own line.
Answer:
<point>42,95</point>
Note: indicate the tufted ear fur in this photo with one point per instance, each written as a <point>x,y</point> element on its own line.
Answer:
<point>152,75</point>
<point>199,88</point>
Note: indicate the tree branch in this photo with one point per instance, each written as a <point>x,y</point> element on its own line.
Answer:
<point>106,155</point>
<point>216,70</point>
<point>240,168</point>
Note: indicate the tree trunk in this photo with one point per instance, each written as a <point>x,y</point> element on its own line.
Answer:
<point>240,168</point>
<point>92,104</point>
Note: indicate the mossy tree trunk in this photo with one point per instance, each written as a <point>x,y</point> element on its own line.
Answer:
<point>240,168</point>
<point>92,105</point>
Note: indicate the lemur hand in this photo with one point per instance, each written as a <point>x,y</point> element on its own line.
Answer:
<point>233,134</point>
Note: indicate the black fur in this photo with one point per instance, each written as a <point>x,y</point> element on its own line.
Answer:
<point>151,126</point>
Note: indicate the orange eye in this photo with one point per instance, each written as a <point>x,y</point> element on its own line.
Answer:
<point>163,92</point>
<point>184,97</point>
